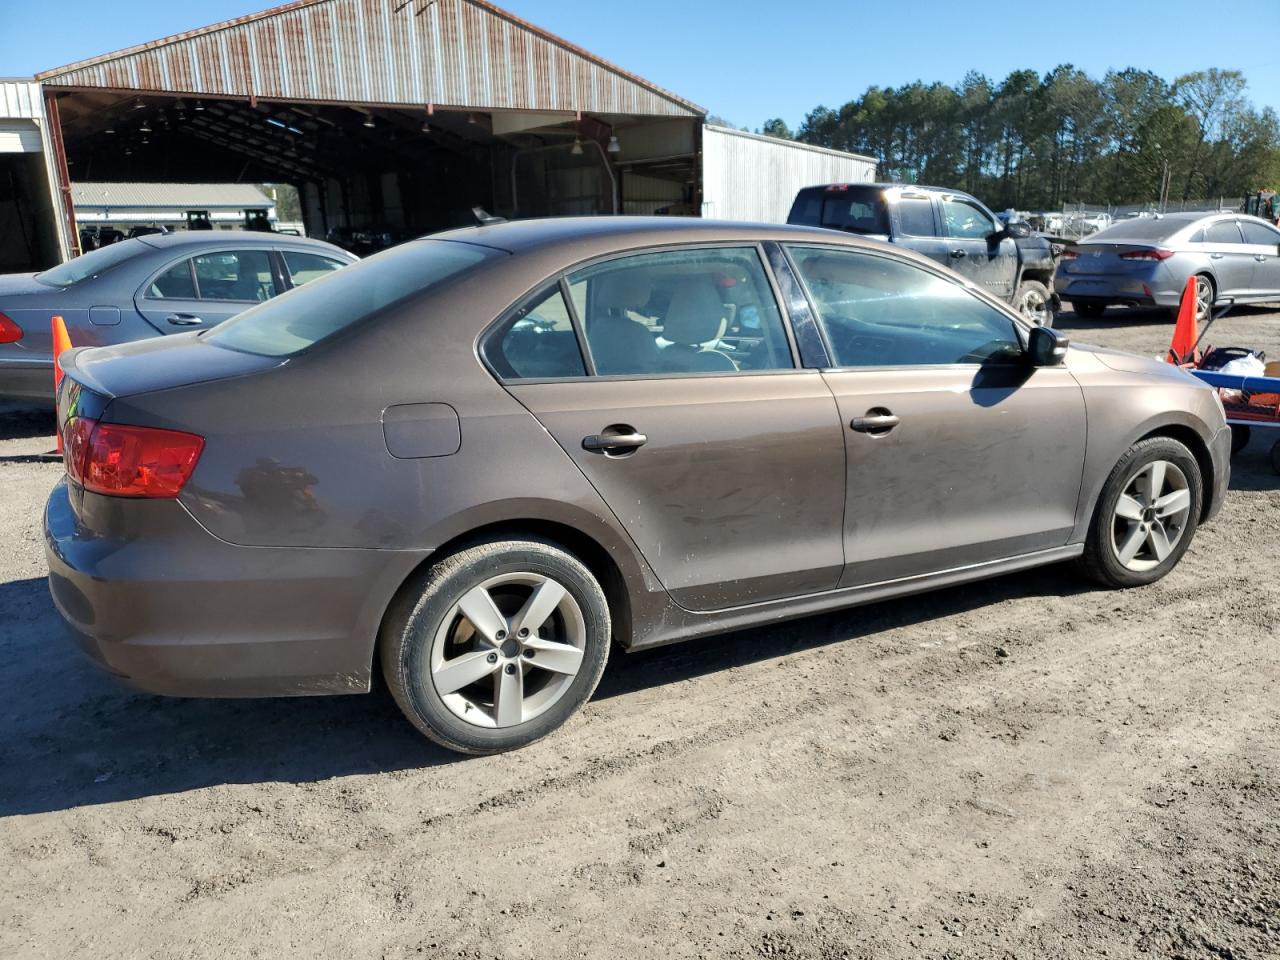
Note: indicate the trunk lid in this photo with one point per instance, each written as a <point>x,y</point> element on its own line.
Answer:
<point>1104,258</point>
<point>22,284</point>
<point>145,366</point>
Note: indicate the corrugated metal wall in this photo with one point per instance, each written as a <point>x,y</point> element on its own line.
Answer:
<point>20,100</point>
<point>463,53</point>
<point>754,178</point>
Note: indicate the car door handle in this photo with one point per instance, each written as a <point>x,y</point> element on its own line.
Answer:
<point>1260,257</point>
<point>183,319</point>
<point>958,254</point>
<point>874,423</point>
<point>603,443</point>
<point>1216,256</point>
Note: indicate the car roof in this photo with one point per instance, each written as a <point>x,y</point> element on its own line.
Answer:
<point>609,233</point>
<point>890,185</point>
<point>248,238</point>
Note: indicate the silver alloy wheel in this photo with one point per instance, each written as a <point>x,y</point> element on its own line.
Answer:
<point>1204,299</point>
<point>1033,308</point>
<point>508,650</point>
<point>1150,516</point>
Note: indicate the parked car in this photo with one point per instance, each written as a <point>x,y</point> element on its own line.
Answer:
<point>476,459</point>
<point>1007,260</point>
<point>144,287</point>
<point>1146,262</point>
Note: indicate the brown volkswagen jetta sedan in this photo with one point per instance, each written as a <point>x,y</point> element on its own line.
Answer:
<point>477,458</point>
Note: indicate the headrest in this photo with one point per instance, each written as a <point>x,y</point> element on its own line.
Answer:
<point>696,314</point>
<point>622,290</point>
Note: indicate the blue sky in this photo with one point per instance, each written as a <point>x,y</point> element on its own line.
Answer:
<point>748,60</point>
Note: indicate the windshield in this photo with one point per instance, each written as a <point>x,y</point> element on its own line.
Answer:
<point>306,315</point>
<point>92,264</point>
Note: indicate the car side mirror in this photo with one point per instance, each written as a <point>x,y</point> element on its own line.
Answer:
<point>1047,347</point>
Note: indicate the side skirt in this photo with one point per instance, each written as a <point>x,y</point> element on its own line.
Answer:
<point>681,624</point>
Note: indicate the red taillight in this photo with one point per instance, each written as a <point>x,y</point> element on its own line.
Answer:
<point>10,332</point>
<point>1153,255</point>
<point>126,461</point>
<point>1070,254</point>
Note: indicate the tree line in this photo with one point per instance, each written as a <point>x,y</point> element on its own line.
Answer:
<point>1039,142</point>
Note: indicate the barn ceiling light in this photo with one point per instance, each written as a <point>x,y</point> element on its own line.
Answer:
<point>145,128</point>
<point>426,127</point>
<point>368,122</point>
<point>138,104</point>
<point>199,107</point>
<point>577,147</point>
<point>614,145</point>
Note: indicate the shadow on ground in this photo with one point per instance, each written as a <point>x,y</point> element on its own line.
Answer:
<point>19,422</point>
<point>76,737</point>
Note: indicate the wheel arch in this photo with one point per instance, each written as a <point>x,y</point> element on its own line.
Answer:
<point>1191,439</point>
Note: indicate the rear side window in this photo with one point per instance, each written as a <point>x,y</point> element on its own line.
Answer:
<point>234,275</point>
<point>306,315</point>
<point>176,283</point>
<point>915,214</point>
<point>538,342</point>
<point>1224,231</point>
<point>1259,233</point>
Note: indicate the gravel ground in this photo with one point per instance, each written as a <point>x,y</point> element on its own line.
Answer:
<point>1029,767</point>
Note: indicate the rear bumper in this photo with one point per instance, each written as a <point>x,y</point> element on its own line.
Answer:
<point>171,609</point>
<point>1103,290</point>
<point>27,380</point>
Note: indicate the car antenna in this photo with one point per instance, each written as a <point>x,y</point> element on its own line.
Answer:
<point>485,218</point>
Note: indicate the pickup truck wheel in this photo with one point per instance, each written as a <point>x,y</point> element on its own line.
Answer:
<point>1032,301</point>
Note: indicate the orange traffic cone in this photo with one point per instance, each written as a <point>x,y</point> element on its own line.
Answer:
<point>61,344</point>
<point>1185,333</point>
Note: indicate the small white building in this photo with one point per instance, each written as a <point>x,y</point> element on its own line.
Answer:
<point>172,205</point>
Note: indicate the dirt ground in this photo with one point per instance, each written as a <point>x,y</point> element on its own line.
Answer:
<point>1029,767</point>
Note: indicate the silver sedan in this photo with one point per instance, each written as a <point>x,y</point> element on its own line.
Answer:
<point>1146,262</point>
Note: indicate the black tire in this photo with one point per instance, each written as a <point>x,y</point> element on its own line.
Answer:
<point>411,628</point>
<point>1029,293</point>
<point>1239,437</point>
<point>1100,561</point>
<point>1089,311</point>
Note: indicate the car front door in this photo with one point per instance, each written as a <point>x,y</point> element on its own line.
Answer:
<point>722,459</point>
<point>1263,244</point>
<point>977,247</point>
<point>202,291</point>
<point>959,452</point>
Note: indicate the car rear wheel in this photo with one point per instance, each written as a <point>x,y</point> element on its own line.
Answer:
<point>1089,311</point>
<point>1146,516</point>
<point>1205,297</point>
<point>497,645</point>
<point>1033,302</point>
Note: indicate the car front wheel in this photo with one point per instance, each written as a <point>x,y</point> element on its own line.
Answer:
<point>1146,516</point>
<point>497,645</point>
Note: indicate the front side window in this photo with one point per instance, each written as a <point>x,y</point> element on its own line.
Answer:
<point>878,312</point>
<point>1224,231</point>
<point>234,275</point>
<point>964,220</point>
<point>538,342</point>
<point>690,311</point>
<point>176,283</point>
<point>1259,233</point>
<point>305,267</point>
<point>306,315</point>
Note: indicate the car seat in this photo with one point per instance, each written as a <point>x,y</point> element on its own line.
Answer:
<point>247,285</point>
<point>695,317</point>
<point>620,345</point>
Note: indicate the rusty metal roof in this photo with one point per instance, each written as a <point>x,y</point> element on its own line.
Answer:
<point>452,53</point>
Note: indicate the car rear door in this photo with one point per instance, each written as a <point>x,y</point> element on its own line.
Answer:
<point>195,292</point>
<point>976,248</point>
<point>718,454</point>
<point>959,452</point>
<point>1231,261</point>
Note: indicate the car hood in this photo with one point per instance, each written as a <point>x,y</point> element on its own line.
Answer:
<point>20,284</point>
<point>1132,363</point>
<point>159,363</point>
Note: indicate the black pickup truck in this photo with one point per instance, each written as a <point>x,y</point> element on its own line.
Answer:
<point>951,227</point>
